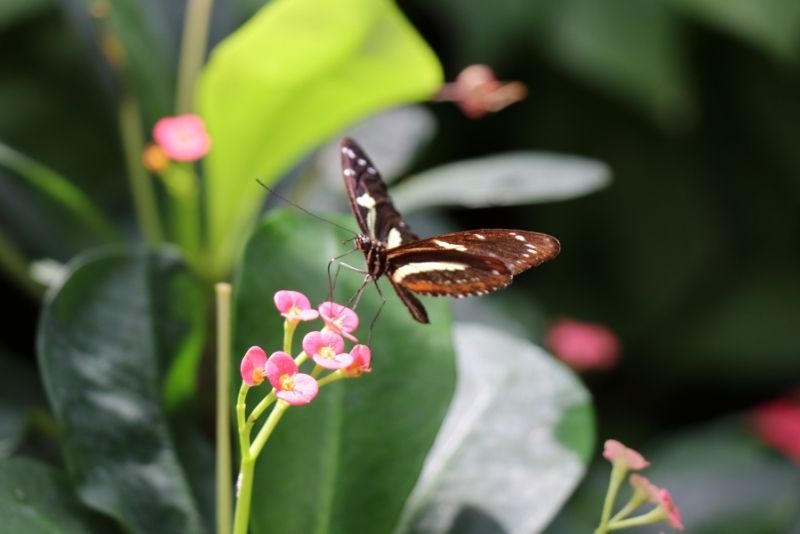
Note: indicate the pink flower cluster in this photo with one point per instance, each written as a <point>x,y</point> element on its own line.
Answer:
<point>625,459</point>
<point>326,347</point>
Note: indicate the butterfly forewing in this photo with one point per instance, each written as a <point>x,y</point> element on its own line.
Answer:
<point>374,211</point>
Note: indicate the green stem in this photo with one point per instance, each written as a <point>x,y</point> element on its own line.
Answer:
<point>224,482</point>
<point>181,182</point>
<point>618,472</point>
<point>269,425</point>
<point>193,47</point>
<point>259,409</point>
<point>288,333</point>
<point>15,264</point>
<point>637,499</point>
<point>653,516</point>
<point>144,198</point>
<point>244,484</point>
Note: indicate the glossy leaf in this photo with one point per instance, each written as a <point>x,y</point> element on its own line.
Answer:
<point>346,462</point>
<point>773,25</point>
<point>502,456</point>
<point>298,72</point>
<point>100,342</point>
<point>502,180</point>
<point>36,498</point>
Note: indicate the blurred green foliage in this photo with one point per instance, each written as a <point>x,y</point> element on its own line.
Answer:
<point>692,255</point>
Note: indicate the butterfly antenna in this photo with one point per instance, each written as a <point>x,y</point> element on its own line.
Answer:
<point>301,208</point>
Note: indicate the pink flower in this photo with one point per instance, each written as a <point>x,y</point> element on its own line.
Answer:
<point>477,92</point>
<point>339,319</point>
<point>661,497</point>
<point>183,138</point>
<point>647,488</point>
<point>583,346</point>
<point>670,508</point>
<point>252,367</point>
<point>615,452</point>
<point>290,386</point>
<point>777,423</point>
<point>294,306</point>
<point>362,357</point>
<point>327,350</point>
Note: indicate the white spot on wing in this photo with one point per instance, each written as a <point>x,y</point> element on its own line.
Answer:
<point>394,238</point>
<point>349,172</point>
<point>480,236</point>
<point>362,161</point>
<point>450,246</point>
<point>424,267</point>
<point>518,237</point>
<point>372,170</point>
<point>366,201</point>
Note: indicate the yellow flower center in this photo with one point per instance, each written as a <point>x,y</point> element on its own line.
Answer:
<point>327,352</point>
<point>287,382</point>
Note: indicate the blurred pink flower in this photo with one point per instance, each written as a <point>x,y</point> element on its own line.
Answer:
<point>294,306</point>
<point>659,496</point>
<point>777,423</point>
<point>477,92</point>
<point>252,367</point>
<point>615,452</point>
<point>290,386</point>
<point>327,350</point>
<point>583,346</point>
<point>339,319</point>
<point>183,138</point>
<point>362,357</point>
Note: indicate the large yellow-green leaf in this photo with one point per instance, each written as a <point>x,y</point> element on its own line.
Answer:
<point>294,75</point>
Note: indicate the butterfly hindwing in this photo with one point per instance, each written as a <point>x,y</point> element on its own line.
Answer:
<point>518,250</point>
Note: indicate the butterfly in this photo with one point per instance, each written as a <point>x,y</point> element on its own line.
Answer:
<point>459,264</point>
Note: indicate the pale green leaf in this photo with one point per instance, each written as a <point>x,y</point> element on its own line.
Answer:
<point>298,72</point>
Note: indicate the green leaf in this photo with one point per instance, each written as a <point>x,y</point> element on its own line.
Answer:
<point>628,47</point>
<point>20,394</point>
<point>73,204</point>
<point>346,462</point>
<point>503,180</point>
<point>499,447</point>
<point>12,11</point>
<point>99,356</point>
<point>772,25</point>
<point>38,499</point>
<point>144,33</point>
<point>298,72</point>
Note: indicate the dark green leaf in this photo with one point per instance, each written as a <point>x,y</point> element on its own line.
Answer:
<point>294,75</point>
<point>773,25</point>
<point>503,180</point>
<point>37,499</point>
<point>13,10</point>
<point>629,48</point>
<point>99,356</point>
<point>346,462</point>
<point>502,447</point>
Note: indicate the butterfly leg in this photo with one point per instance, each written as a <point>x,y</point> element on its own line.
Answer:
<point>377,313</point>
<point>332,279</point>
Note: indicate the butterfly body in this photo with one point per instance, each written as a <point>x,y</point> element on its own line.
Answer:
<point>457,264</point>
